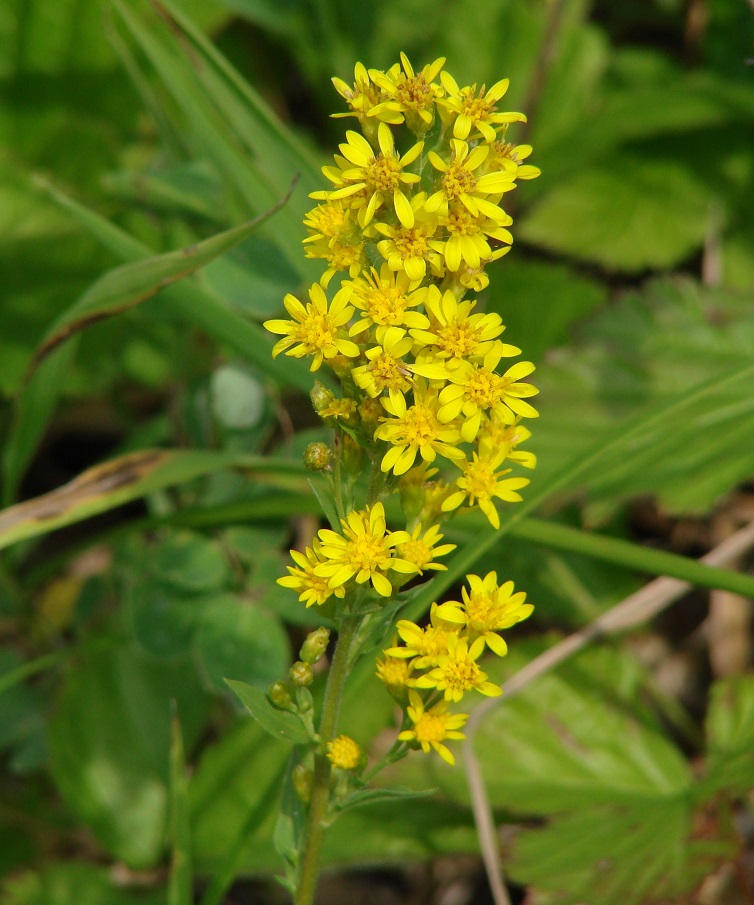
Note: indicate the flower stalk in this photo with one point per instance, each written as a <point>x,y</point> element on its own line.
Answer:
<point>412,218</point>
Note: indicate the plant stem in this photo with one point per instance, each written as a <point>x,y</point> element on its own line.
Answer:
<point>339,670</point>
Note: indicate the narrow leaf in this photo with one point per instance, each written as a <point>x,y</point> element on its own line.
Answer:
<point>279,723</point>
<point>180,884</point>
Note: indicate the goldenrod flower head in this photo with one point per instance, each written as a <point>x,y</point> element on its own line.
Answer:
<point>344,753</point>
<point>426,644</point>
<point>364,551</point>
<point>408,248</point>
<point>410,95</point>
<point>385,368</point>
<point>378,177</point>
<point>316,327</point>
<point>457,671</point>
<point>504,150</point>
<point>497,435</point>
<point>422,549</point>
<point>415,430</point>
<point>361,97</point>
<point>456,334</point>
<point>466,244</point>
<point>340,410</point>
<point>480,483</point>
<point>473,390</point>
<point>488,609</point>
<point>312,588</point>
<point>470,108</point>
<point>395,672</point>
<point>460,184</point>
<point>387,299</point>
<point>431,727</point>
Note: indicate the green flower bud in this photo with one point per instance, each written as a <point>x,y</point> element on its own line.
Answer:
<point>315,645</point>
<point>280,696</point>
<point>317,457</point>
<point>352,456</point>
<point>301,673</point>
<point>321,397</point>
<point>302,782</point>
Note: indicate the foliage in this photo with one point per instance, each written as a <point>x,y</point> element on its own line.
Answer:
<point>135,136</point>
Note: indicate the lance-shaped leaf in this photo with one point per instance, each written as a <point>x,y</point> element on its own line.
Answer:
<point>121,480</point>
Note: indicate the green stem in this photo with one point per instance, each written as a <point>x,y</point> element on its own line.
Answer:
<point>338,476</point>
<point>339,670</point>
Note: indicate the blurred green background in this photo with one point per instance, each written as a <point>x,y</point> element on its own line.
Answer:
<point>131,129</point>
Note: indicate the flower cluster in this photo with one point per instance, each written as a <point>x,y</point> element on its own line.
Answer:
<point>411,218</point>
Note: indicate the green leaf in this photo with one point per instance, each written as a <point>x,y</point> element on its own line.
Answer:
<point>363,797</point>
<point>110,741</point>
<point>629,213</point>
<point>239,638</point>
<point>131,284</point>
<point>238,398</point>
<point>730,737</point>
<point>189,562</point>
<point>120,480</point>
<point>279,723</point>
<point>180,884</point>
<point>638,854</point>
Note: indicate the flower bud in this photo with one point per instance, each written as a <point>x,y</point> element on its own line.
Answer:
<point>301,673</point>
<point>353,456</point>
<point>317,457</point>
<point>345,754</point>
<point>315,645</point>
<point>320,396</point>
<point>280,696</point>
<point>302,782</point>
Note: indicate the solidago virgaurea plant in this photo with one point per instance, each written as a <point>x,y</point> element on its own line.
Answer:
<point>428,416</point>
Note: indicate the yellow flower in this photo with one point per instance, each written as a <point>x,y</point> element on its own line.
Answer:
<point>459,183</point>
<point>474,390</point>
<point>386,298</point>
<point>361,97</point>
<point>364,551</point>
<point>395,672</point>
<point>340,409</point>
<point>408,248</point>
<point>415,430</point>
<point>466,243</point>
<point>315,328</point>
<point>378,176</point>
<point>422,549</point>
<point>344,753</point>
<point>480,484</point>
<point>410,95</point>
<point>433,726</point>
<point>313,588</point>
<point>488,609</point>
<point>458,672</point>
<point>500,436</point>
<point>425,644</point>
<point>475,109</point>
<point>457,334</point>
<point>503,150</point>
<point>385,369</point>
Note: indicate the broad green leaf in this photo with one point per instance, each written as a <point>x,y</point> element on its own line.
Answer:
<point>279,723</point>
<point>113,483</point>
<point>539,301</point>
<point>164,617</point>
<point>629,213</point>
<point>180,884</point>
<point>235,798</point>
<point>73,883</point>
<point>627,853</point>
<point>190,562</point>
<point>109,743</point>
<point>240,639</point>
<point>730,737</point>
<point>238,398</point>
